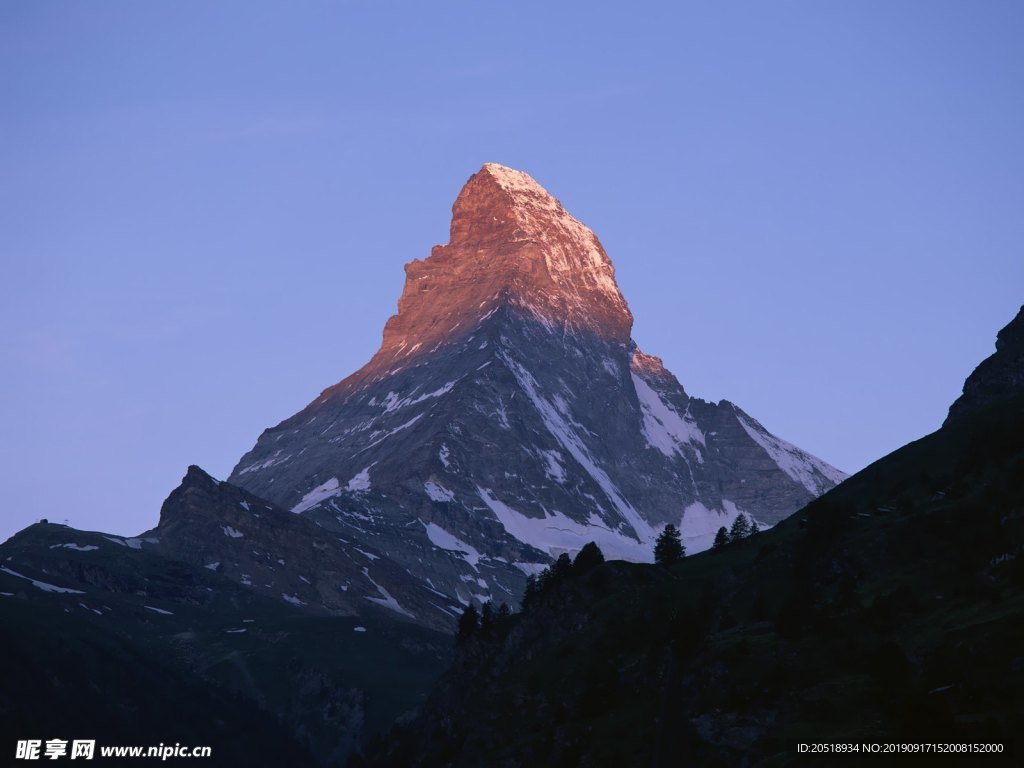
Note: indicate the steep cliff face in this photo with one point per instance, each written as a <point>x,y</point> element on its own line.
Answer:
<point>508,417</point>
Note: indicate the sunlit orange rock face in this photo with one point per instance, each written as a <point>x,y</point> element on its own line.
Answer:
<point>510,242</point>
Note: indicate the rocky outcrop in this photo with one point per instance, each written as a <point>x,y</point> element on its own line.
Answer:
<point>998,376</point>
<point>289,557</point>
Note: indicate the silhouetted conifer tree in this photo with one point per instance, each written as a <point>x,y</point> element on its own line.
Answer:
<point>562,568</point>
<point>669,546</point>
<point>740,528</point>
<point>545,580</point>
<point>588,558</point>
<point>487,620</point>
<point>469,625</point>
<point>531,593</point>
<point>721,538</point>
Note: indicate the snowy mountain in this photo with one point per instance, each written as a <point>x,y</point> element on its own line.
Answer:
<point>508,417</point>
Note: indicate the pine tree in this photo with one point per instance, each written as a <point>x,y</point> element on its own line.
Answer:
<point>740,528</point>
<point>469,625</point>
<point>504,611</point>
<point>721,538</point>
<point>531,593</point>
<point>487,620</point>
<point>588,558</point>
<point>545,580</point>
<point>562,568</point>
<point>669,546</point>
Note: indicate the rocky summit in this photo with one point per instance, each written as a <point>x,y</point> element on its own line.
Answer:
<point>509,417</point>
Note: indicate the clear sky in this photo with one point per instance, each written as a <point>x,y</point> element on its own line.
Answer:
<point>814,209</point>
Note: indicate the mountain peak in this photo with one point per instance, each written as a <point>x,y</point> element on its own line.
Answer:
<point>516,182</point>
<point>508,418</point>
<point>511,244</point>
<point>500,206</point>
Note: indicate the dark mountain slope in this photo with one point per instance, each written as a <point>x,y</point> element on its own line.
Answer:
<point>110,638</point>
<point>66,677</point>
<point>997,376</point>
<point>889,610</point>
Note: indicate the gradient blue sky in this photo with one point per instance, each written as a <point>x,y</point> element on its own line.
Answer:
<point>814,209</point>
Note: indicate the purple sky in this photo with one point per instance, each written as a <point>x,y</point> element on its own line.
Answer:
<point>814,209</point>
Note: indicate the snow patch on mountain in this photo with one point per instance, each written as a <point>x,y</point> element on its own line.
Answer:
<point>555,533</point>
<point>76,547</point>
<point>323,491</point>
<point>391,432</point>
<point>393,403</point>
<point>360,482</point>
<point>438,492</point>
<point>441,538</point>
<point>530,569</point>
<point>553,466</point>
<point>663,427</point>
<point>386,600</point>
<point>700,524</point>
<point>802,467</point>
<point>42,584</point>
<point>276,458</point>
